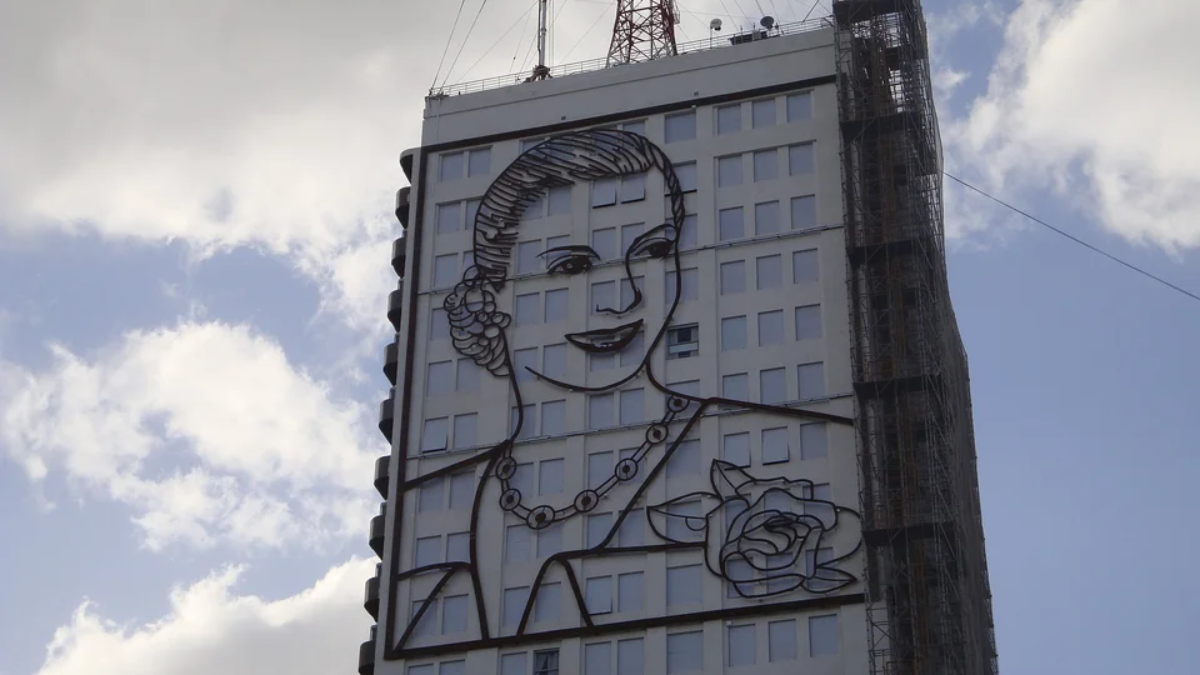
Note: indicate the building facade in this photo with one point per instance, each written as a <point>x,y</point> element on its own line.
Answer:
<point>636,422</point>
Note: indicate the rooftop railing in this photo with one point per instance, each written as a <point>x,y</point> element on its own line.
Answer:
<point>692,47</point>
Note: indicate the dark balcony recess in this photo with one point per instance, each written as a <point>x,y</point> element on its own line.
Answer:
<point>399,256</point>
<point>386,415</point>
<point>391,360</point>
<point>382,474</point>
<point>402,206</point>
<point>366,658</point>
<point>406,162</point>
<point>395,301</point>
<point>371,598</point>
<point>376,540</point>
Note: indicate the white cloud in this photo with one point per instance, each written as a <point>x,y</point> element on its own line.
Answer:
<point>205,430</point>
<point>1094,100</point>
<point>210,629</point>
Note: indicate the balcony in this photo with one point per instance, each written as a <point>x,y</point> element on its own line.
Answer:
<point>387,411</point>
<point>366,656</point>
<point>382,474</point>
<point>395,302</point>
<point>391,361</point>
<point>376,539</point>
<point>371,597</point>
<point>399,256</point>
<point>402,206</point>
<point>406,162</point>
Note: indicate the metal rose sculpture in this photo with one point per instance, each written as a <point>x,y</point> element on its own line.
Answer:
<point>776,537</point>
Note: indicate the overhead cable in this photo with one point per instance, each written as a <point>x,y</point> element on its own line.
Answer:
<point>449,39</point>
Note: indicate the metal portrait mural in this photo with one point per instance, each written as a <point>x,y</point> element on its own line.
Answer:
<point>755,533</point>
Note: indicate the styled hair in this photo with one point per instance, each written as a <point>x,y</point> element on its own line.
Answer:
<point>477,325</point>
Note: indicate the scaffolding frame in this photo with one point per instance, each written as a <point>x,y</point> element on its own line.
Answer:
<point>928,598</point>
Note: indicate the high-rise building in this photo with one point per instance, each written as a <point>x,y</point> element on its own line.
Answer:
<point>678,386</point>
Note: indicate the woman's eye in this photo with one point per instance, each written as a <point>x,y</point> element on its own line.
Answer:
<point>654,248</point>
<point>570,264</point>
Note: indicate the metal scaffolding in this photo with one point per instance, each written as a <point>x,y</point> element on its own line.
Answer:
<point>928,599</point>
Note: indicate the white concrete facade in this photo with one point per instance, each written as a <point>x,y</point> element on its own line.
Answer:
<point>788,313</point>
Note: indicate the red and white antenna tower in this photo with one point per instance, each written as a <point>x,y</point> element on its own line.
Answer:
<point>645,30</point>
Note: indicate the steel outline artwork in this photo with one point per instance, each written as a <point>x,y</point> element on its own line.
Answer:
<point>478,328</point>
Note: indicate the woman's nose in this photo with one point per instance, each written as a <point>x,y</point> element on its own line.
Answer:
<point>629,296</point>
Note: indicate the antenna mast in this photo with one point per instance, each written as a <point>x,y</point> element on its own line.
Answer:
<point>541,71</point>
<point>644,30</point>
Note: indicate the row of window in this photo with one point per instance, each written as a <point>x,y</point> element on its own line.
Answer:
<point>685,651</point>
<point>681,127</point>
<point>764,164</point>
<point>731,222</point>
<point>771,328</point>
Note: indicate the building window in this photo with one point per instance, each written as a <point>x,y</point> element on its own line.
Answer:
<point>628,234</point>
<point>731,223</point>
<point>447,218</point>
<point>766,165</point>
<point>814,441</point>
<point>545,662</point>
<point>821,492</point>
<point>604,192</point>
<point>559,200</point>
<point>633,188</point>
<point>804,212</point>
<point>439,324</point>
<point>548,603</point>
<point>630,657</point>
<point>439,379</point>
<point>741,645</point>
<point>550,541</point>
<point>680,127</point>
<point>635,351</point>
<point>688,388</point>
<point>729,171</point>
<point>772,385</point>
<point>467,376</point>
<point>434,438</point>
<point>632,531</point>
<point>598,525</point>
<point>451,167</point>
<point>528,144</point>
<point>823,635</point>
<point>688,285</point>
<point>604,296</point>
<point>638,127</point>
<point>735,448</point>
<point>428,551</point>
<point>627,286</point>
<point>604,242</point>
<point>597,658</point>
<point>454,618</point>
<point>599,468</point>
<point>685,461</point>
<point>522,478</point>
<point>445,270</point>
<point>684,585</point>
<point>428,623</point>
<point>426,669</point>
<point>514,664</point>
<point>556,305</point>
<point>685,652</point>
<point>431,496</point>
<point>770,328</point>
<point>808,322</point>
<point>523,359</point>
<point>550,476</point>
<point>687,232</point>
<point>775,445</point>
<point>554,415</point>
<point>686,173</point>
<point>458,547</point>
<point>812,380</point>
<point>769,272</point>
<point>801,159</point>
<point>733,277</point>
<point>524,419</point>
<point>554,360</point>
<point>472,211</point>
<point>683,342</point>
<point>729,119</point>
<point>527,256</point>
<point>600,411</point>
<point>781,640</point>
<point>813,558</point>
<point>528,311</point>
<point>462,488</point>
<point>453,667</point>
<point>733,333</point>
<point>598,595</point>
<point>799,107</point>
<point>599,362</point>
<point>466,431</point>
<point>633,406</point>
<point>736,387</point>
<point>631,587</point>
<point>514,604</point>
<point>766,218</point>
<point>680,515</point>
<point>479,162</point>
<point>805,266</point>
<point>517,543</point>
<point>763,113</point>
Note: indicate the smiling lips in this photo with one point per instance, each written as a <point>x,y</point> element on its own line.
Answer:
<point>606,341</point>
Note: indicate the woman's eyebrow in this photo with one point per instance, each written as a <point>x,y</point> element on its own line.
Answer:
<point>651,234</point>
<point>577,248</point>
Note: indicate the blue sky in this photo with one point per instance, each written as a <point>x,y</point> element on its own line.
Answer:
<point>194,239</point>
